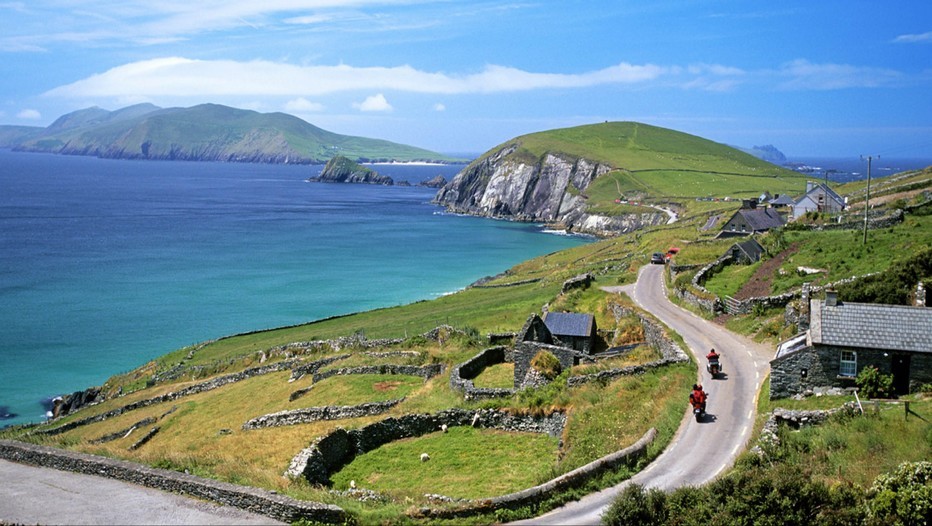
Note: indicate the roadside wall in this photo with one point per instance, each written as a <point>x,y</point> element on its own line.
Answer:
<point>250,499</point>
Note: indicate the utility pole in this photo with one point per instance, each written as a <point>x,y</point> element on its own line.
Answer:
<point>867,201</point>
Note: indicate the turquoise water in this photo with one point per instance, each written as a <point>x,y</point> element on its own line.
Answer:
<point>106,264</point>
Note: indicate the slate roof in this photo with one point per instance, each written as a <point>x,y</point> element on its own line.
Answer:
<point>783,200</point>
<point>761,219</point>
<point>569,323</point>
<point>829,194</point>
<point>872,326</point>
<point>751,248</point>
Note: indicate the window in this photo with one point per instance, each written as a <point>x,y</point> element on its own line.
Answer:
<point>849,364</point>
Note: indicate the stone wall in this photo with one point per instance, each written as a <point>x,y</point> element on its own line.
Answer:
<point>333,451</point>
<point>525,351</point>
<point>250,499</point>
<point>656,337</point>
<point>300,370</point>
<point>174,395</point>
<point>796,419</point>
<point>313,414</point>
<point>424,371</point>
<point>462,375</point>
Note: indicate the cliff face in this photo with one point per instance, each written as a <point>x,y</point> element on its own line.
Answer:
<point>551,191</point>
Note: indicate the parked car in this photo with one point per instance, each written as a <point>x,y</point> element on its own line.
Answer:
<point>657,259</point>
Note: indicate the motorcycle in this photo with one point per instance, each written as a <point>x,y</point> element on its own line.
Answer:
<point>698,406</point>
<point>714,367</point>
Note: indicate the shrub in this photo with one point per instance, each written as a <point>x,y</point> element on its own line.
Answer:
<point>546,364</point>
<point>635,506</point>
<point>872,384</point>
<point>901,497</point>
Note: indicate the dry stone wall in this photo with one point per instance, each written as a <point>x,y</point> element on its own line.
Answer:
<point>174,395</point>
<point>314,414</point>
<point>424,371</point>
<point>250,499</point>
<point>331,452</point>
<point>656,336</point>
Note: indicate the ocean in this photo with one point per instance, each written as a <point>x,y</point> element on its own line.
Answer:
<point>106,264</point>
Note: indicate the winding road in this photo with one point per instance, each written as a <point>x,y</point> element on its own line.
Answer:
<point>700,451</point>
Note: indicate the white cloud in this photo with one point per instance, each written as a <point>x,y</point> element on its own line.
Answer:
<point>440,107</point>
<point>804,75</point>
<point>29,114</point>
<point>178,76</point>
<point>374,103</point>
<point>303,105</point>
<point>909,39</point>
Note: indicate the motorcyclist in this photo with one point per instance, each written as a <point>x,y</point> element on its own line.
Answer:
<point>712,355</point>
<point>697,397</point>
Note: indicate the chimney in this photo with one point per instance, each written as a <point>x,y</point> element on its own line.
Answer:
<point>809,186</point>
<point>802,325</point>
<point>749,203</point>
<point>831,298</point>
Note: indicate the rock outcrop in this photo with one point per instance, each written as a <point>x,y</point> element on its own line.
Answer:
<point>552,190</point>
<point>343,170</point>
<point>436,182</point>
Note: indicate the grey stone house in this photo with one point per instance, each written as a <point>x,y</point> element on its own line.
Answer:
<point>576,330</point>
<point>844,338</point>
<point>536,336</point>
<point>750,219</point>
<point>747,252</point>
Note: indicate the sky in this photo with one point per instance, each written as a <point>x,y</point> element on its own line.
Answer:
<point>829,78</point>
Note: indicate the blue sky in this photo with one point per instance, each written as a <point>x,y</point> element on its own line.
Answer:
<point>814,78</point>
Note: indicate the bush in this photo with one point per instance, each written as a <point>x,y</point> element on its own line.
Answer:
<point>547,364</point>
<point>872,384</point>
<point>902,497</point>
<point>636,506</point>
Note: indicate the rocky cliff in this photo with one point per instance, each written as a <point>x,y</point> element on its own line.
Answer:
<point>551,190</point>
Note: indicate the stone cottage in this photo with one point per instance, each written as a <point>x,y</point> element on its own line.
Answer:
<point>750,219</point>
<point>747,252</point>
<point>535,337</point>
<point>576,330</point>
<point>843,338</point>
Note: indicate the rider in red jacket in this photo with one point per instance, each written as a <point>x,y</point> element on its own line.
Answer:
<point>698,397</point>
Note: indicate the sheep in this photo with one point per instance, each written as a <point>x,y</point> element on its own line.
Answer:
<point>352,484</point>
<point>443,428</point>
<point>425,457</point>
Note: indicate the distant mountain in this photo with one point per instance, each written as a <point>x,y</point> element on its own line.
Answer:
<point>208,132</point>
<point>768,153</point>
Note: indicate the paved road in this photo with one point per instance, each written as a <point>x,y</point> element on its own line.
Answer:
<point>700,451</point>
<point>34,495</point>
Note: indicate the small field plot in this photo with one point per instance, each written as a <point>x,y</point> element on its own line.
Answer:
<point>498,376</point>
<point>464,463</point>
<point>355,389</point>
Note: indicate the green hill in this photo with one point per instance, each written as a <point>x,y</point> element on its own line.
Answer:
<point>604,175</point>
<point>208,132</point>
